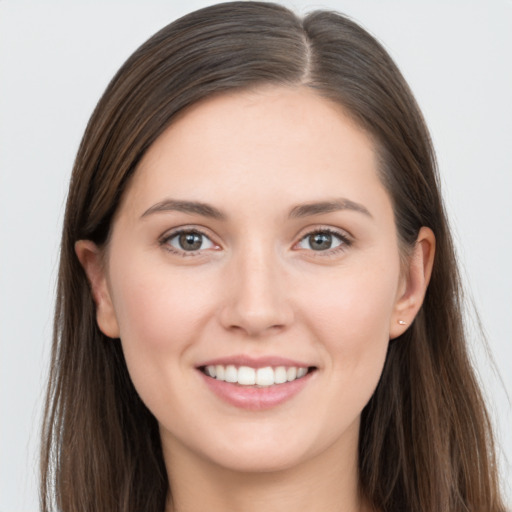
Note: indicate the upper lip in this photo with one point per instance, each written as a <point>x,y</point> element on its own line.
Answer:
<point>254,362</point>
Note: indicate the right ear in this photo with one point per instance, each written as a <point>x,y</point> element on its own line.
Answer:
<point>91,259</point>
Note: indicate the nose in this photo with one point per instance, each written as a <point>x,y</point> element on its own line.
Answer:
<point>257,299</point>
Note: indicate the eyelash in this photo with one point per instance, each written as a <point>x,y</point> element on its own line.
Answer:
<point>346,242</point>
<point>164,241</point>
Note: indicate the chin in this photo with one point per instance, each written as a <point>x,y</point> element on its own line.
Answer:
<point>259,460</point>
<point>274,449</point>
<point>242,448</point>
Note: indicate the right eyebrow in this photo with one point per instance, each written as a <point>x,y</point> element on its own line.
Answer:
<point>193,207</point>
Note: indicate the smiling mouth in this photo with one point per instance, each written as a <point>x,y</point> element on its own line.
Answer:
<point>256,377</point>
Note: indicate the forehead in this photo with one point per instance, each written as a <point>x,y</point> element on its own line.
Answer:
<point>271,116</point>
<point>272,144</point>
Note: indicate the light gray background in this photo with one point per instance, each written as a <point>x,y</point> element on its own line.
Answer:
<point>56,58</point>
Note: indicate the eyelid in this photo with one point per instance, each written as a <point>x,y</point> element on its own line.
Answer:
<point>172,233</point>
<point>322,228</point>
<point>345,237</point>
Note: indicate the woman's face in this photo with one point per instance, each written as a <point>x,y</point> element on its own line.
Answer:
<point>255,234</point>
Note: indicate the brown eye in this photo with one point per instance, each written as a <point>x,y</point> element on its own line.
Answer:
<point>189,241</point>
<point>322,241</point>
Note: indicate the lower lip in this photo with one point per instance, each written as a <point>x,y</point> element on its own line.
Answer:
<point>256,399</point>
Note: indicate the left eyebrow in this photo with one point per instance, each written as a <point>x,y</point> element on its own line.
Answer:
<point>305,210</point>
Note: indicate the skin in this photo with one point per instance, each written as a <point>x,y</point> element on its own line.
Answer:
<point>257,287</point>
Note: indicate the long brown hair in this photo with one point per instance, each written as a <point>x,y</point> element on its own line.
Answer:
<point>425,441</point>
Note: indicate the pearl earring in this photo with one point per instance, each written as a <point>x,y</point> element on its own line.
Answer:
<point>401,322</point>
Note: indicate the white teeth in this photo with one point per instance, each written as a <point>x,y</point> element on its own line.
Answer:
<point>280,375</point>
<point>291,373</point>
<point>231,374</point>
<point>301,372</point>
<point>265,376</point>
<point>247,376</point>
<point>219,372</point>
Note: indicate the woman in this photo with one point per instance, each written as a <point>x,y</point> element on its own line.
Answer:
<point>258,302</point>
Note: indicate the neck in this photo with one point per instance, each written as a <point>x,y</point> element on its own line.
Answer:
<point>327,483</point>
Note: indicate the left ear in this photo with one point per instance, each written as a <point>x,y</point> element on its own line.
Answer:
<point>415,281</point>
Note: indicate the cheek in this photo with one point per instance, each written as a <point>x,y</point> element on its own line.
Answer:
<point>157,309</point>
<point>160,315</point>
<point>350,316</point>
